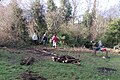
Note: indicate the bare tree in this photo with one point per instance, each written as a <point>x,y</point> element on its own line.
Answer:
<point>75,5</point>
<point>5,24</point>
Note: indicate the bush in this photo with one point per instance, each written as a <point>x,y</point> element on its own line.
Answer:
<point>112,36</point>
<point>73,41</point>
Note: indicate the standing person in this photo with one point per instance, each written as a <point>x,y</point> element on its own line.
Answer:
<point>54,39</point>
<point>99,46</point>
<point>92,45</point>
<point>44,39</point>
<point>35,38</point>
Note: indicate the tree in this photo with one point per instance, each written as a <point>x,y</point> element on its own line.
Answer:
<point>92,30</point>
<point>75,5</point>
<point>51,5</point>
<point>67,10</point>
<point>5,25</point>
<point>18,27</point>
<point>63,3</point>
<point>39,17</point>
<point>54,17</point>
<point>89,20</point>
<point>54,20</point>
<point>112,36</point>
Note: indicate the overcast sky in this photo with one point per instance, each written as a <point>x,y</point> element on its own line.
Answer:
<point>102,4</point>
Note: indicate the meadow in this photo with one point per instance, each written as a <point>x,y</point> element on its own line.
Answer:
<point>91,68</point>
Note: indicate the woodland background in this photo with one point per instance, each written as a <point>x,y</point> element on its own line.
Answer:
<point>17,25</point>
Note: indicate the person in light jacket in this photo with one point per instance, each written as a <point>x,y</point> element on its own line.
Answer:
<point>35,38</point>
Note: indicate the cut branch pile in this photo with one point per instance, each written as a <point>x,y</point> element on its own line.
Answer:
<point>66,59</point>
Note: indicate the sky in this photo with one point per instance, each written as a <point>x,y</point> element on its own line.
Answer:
<point>82,5</point>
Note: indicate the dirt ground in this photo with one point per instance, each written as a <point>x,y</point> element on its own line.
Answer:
<point>29,75</point>
<point>106,71</point>
<point>40,53</point>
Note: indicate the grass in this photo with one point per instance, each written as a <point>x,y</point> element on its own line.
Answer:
<point>10,69</point>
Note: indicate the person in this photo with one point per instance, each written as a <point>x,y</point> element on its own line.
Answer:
<point>35,38</point>
<point>44,39</point>
<point>99,45</point>
<point>98,48</point>
<point>92,45</point>
<point>54,39</point>
<point>101,48</point>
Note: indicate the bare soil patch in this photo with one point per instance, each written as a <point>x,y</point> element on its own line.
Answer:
<point>27,61</point>
<point>29,75</point>
<point>106,71</point>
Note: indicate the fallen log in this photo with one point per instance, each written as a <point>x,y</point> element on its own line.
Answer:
<point>66,59</point>
<point>27,61</point>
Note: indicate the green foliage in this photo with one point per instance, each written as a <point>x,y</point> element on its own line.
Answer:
<point>19,28</point>
<point>87,19</point>
<point>72,40</point>
<point>51,5</point>
<point>89,22</point>
<point>112,36</point>
<point>67,10</point>
<point>56,18</point>
<point>52,17</point>
<point>39,17</point>
<point>63,3</point>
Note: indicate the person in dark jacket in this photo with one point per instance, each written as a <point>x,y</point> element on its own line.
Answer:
<point>44,39</point>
